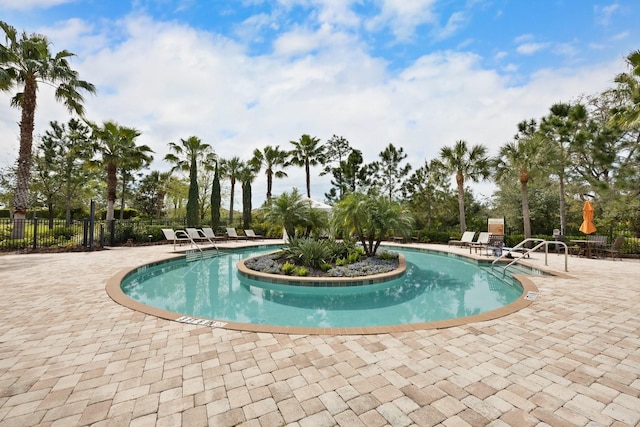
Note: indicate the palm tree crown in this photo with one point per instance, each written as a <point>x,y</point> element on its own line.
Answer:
<point>271,158</point>
<point>117,148</point>
<point>307,153</point>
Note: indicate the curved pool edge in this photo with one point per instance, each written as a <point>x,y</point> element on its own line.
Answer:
<point>529,293</point>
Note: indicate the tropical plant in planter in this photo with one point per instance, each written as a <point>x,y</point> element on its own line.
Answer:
<point>370,217</point>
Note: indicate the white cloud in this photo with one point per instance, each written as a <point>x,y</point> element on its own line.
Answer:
<point>531,48</point>
<point>171,81</point>
<point>604,14</point>
<point>403,16</point>
<point>31,4</point>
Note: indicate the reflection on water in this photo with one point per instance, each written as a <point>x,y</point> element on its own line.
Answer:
<point>434,287</point>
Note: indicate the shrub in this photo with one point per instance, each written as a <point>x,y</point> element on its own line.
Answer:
<point>341,261</point>
<point>301,271</point>
<point>308,252</point>
<point>62,232</point>
<point>387,255</point>
<point>288,268</point>
<point>325,266</point>
<point>353,257</point>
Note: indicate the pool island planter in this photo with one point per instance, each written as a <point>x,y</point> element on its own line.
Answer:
<point>322,282</point>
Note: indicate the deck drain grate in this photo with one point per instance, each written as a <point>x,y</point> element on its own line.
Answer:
<point>202,322</point>
<point>531,296</point>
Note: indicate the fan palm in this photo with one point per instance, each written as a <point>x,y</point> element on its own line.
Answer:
<point>521,157</point>
<point>466,163</point>
<point>185,157</point>
<point>306,153</point>
<point>117,148</point>
<point>24,63</point>
<point>271,158</point>
<point>231,169</point>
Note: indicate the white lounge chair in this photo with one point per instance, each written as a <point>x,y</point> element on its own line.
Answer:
<point>252,235</point>
<point>196,236</point>
<point>231,232</point>
<point>481,242</point>
<point>208,233</point>
<point>177,236</point>
<point>466,239</point>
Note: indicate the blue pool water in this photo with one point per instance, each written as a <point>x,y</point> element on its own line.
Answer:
<point>434,287</point>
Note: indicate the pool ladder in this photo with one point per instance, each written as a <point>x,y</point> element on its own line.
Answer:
<point>524,252</point>
<point>193,255</point>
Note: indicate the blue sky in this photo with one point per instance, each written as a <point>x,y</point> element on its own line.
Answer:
<point>420,74</point>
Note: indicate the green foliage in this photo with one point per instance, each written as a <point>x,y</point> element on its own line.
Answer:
<point>341,261</point>
<point>301,271</point>
<point>387,255</point>
<point>353,257</point>
<point>64,232</point>
<point>308,252</point>
<point>370,217</point>
<point>289,210</point>
<point>435,236</point>
<point>325,266</point>
<point>288,268</point>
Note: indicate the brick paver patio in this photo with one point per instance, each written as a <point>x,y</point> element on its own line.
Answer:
<point>70,356</point>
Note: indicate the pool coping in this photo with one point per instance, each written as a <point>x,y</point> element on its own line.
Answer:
<point>529,294</point>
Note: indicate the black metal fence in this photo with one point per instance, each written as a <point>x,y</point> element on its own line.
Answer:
<point>42,234</point>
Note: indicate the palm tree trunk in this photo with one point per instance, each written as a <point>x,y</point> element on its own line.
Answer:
<point>563,208</point>
<point>124,186</point>
<point>460,182</point>
<point>308,172</point>
<point>21,197</point>
<point>233,185</point>
<point>111,189</point>
<point>269,184</point>
<point>525,210</point>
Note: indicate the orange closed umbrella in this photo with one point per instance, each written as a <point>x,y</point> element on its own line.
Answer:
<point>587,226</point>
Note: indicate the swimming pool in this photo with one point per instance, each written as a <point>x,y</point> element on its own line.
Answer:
<point>436,287</point>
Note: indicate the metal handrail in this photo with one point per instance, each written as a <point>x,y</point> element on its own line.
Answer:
<point>541,243</point>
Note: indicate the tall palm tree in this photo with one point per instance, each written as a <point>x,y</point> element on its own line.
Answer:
<point>116,146</point>
<point>271,158</point>
<point>231,169</point>
<point>466,163</point>
<point>185,157</point>
<point>24,63</point>
<point>307,153</point>
<point>521,157</point>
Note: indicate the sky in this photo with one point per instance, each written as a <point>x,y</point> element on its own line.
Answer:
<point>243,74</point>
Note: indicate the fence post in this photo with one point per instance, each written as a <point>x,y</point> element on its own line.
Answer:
<point>92,222</point>
<point>35,231</point>
<point>85,232</point>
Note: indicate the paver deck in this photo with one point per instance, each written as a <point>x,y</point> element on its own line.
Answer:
<point>69,355</point>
